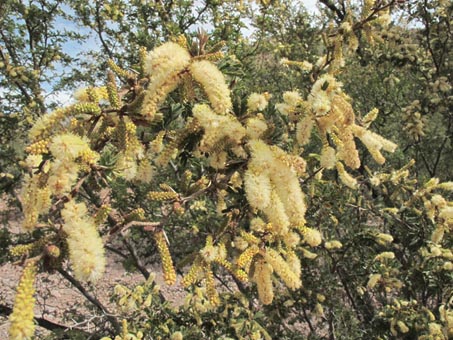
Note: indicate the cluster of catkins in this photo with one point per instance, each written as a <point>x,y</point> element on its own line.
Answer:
<point>329,109</point>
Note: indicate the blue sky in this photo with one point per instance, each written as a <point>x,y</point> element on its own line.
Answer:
<point>92,43</point>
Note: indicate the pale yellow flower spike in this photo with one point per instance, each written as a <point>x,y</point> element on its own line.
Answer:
<point>86,250</point>
<point>257,101</point>
<point>256,127</point>
<point>214,84</point>
<point>164,65</point>
<point>373,142</point>
<point>263,278</point>
<point>217,128</point>
<point>276,215</point>
<point>211,290</point>
<point>294,263</point>
<point>282,268</point>
<point>303,130</point>
<point>345,177</point>
<point>312,237</point>
<point>35,201</point>
<point>22,325</point>
<point>167,262</point>
<point>68,146</point>
<point>44,124</point>
<point>257,188</point>
<point>328,157</point>
<point>63,175</point>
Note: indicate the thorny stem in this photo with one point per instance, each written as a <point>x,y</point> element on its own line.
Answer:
<point>112,319</point>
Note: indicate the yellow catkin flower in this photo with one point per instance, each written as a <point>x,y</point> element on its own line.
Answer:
<point>292,105</point>
<point>145,171</point>
<point>142,56</point>
<point>370,117</point>
<point>46,124</point>
<point>63,175</point>
<point>384,239</point>
<point>177,138</point>
<point>263,278</point>
<point>39,147</point>
<point>291,239</point>
<point>26,249</point>
<point>303,130</point>
<point>86,249</point>
<point>167,262</point>
<point>257,101</point>
<point>165,187</point>
<point>192,275</point>
<point>68,146</point>
<point>386,255</point>
<point>373,280</point>
<point>347,150</point>
<point>157,144</point>
<point>312,237</point>
<point>446,214</point>
<point>85,108</point>
<point>245,259</point>
<point>112,90</point>
<point>118,70</point>
<point>258,188</point>
<point>330,245</point>
<point>22,249</point>
<point>135,215</point>
<point>438,234</point>
<point>287,199</point>
<point>235,180</point>
<point>328,158</point>
<point>303,65</point>
<point>88,157</point>
<point>162,195</point>
<point>218,129</point>
<point>373,142</point>
<point>214,84</point>
<point>346,178</point>
<point>164,65</point>
<point>322,94</point>
<point>276,215</point>
<point>209,253</point>
<point>256,127</point>
<point>446,186</point>
<point>282,268</point>
<point>22,325</point>
<point>402,327</point>
<point>249,238</point>
<point>35,200</point>
<point>294,262</point>
<point>238,273</point>
<point>218,160</point>
<point>91,94</point>
<point>211,290</point>
<point>177,336</point>
<point>292,98</point>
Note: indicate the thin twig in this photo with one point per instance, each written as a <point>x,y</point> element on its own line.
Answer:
<point>112,319</point>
